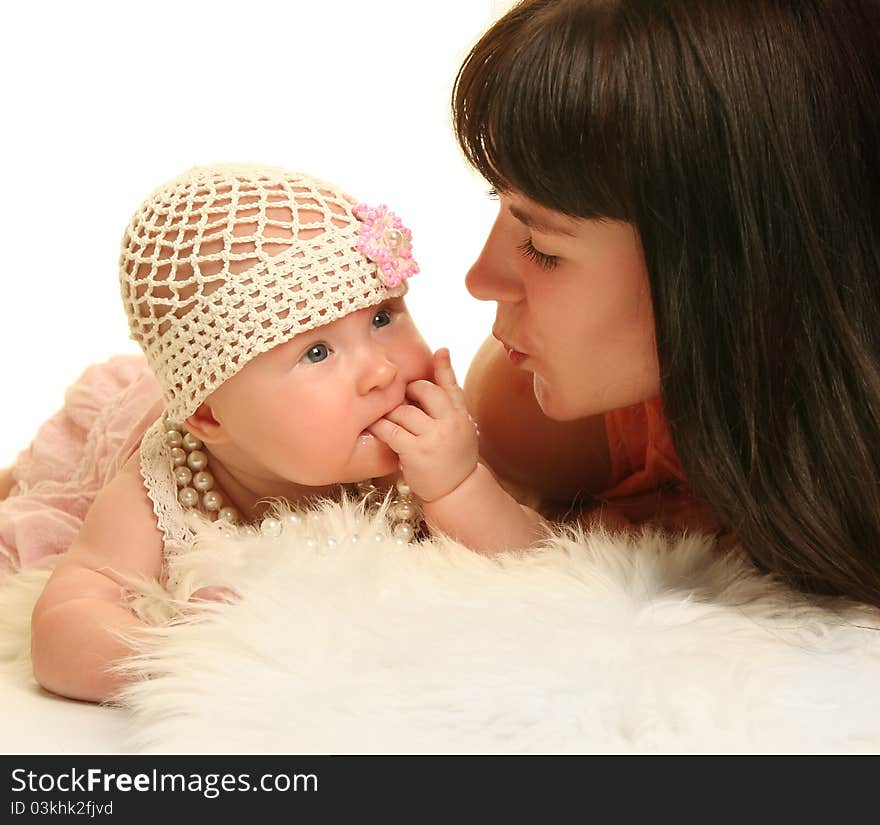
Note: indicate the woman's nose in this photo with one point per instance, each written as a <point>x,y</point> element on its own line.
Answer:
<point>377,372</point>
<point>493,277</point>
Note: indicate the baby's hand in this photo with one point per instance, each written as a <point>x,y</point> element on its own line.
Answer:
<point>437,441</point>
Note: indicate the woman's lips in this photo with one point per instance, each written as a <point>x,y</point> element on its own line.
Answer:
<point>514,355</point>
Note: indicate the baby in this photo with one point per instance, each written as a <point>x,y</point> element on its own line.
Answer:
<point>270,308</point>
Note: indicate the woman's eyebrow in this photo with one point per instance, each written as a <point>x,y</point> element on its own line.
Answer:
<point>539,225</point>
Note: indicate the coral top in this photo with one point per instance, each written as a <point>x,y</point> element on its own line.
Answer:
<point>647,480</point>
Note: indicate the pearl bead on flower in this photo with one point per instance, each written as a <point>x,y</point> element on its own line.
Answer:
<point>384,240</point>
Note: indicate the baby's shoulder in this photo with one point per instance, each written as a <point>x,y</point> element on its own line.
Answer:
<point>120,528</point>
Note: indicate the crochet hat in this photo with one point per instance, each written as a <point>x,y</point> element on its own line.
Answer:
<point>228,261</point>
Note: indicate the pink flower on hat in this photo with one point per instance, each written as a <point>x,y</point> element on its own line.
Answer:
<point>387,242</point>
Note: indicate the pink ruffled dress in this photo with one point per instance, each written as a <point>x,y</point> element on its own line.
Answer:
<point>74,454</point>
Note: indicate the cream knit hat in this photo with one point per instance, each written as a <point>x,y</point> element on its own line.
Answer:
<point>228,261</point>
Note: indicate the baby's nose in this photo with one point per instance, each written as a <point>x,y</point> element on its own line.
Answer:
<point>378,372</point>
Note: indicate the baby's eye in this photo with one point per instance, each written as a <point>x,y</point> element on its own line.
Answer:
<point>316,353</point>
<point>382,318</point>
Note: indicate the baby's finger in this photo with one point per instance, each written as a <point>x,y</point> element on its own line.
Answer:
<point>444,375</point>
<point>410,418</point>
<point>434,400</point>
<point>395,436</point>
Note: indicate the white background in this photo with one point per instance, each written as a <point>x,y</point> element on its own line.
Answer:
<point>103,102</point>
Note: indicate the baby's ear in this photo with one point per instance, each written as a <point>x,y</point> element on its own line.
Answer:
<point>204,426</point>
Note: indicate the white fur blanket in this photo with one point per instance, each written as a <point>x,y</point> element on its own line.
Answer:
<point>594,643</point>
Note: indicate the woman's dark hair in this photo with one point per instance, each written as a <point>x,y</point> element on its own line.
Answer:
<point>742,140</point>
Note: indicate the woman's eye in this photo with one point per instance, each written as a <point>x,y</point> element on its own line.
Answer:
<point>382,318</point>
<point>542,259</point>
<point>316,353</point>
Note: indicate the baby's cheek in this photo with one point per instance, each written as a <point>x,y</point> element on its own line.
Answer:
<point>325,439</point>
<point>422,365</point>
<point>415,359</point>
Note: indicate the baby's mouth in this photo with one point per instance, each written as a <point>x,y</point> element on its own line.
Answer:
<point>365,432</point>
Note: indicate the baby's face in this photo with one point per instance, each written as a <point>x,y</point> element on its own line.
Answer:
<point>300,411</point>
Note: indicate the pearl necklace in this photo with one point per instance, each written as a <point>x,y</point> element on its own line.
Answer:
<point>196,491</point>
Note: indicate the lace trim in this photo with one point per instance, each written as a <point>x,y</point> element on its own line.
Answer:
<point>161,488</point>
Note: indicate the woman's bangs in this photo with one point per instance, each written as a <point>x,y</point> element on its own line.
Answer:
<point>531,114</point>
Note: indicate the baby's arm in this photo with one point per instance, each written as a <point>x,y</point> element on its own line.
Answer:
<point>438,448</point>
<point>73,623</point>
<point>482,515</point>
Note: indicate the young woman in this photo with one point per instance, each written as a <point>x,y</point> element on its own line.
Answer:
<point>687,268</point>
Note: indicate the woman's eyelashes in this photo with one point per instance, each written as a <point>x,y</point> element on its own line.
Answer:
<point>542,259</point>
<point>527,248</point>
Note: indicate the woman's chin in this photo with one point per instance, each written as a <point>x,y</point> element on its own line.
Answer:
<point>557,406</point>
<point>547,400</point>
